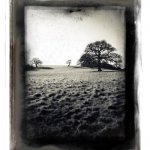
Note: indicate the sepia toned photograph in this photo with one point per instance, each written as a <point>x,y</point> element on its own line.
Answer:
<point>75,73</point>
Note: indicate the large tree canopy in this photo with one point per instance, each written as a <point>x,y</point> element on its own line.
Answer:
<point>87,60</point>
<point>101,51</point>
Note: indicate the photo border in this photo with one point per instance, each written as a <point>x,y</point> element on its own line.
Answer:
<point>18,59</point>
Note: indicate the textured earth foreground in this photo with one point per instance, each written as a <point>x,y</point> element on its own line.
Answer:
<point>72,103</point>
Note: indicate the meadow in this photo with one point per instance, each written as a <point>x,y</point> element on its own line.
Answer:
<point>72,103</point>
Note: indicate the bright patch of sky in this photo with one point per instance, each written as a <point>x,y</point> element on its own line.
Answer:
<point>54,35</point>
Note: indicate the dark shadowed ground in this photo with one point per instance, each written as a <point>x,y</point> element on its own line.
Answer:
<point>74,104</point>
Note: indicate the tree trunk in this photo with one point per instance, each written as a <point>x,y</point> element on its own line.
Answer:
<point>36,65</point>
<point>99,68</point>
<point>99,62</point>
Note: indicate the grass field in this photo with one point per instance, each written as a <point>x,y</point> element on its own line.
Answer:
<point>67,102</point>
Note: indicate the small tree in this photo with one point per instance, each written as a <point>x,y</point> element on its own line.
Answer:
<point>68,62</point>
<point>102,52</point>
<point>36,62</point>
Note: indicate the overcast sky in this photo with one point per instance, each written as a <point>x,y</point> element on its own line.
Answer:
<point>55,35</point>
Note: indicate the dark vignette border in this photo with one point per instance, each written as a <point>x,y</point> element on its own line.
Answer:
<point>18,76</point>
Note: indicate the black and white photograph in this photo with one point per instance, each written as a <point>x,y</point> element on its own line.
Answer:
<point>74,83</point>
<point>75,73</point>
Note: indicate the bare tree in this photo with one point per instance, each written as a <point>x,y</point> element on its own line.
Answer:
<point>68,62</point>
<point>36,62</point>
<point>103,52</point>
